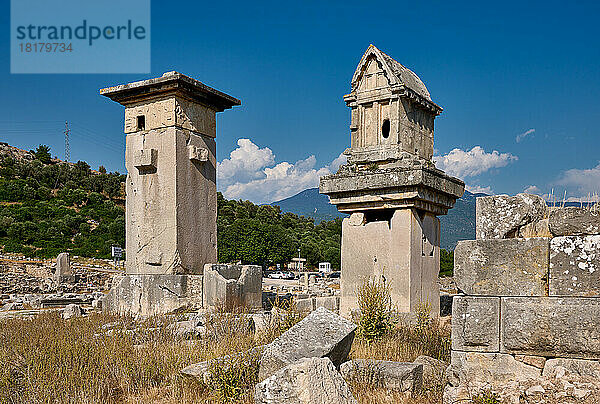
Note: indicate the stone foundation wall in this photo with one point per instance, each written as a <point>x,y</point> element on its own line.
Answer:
<point>529,292</point>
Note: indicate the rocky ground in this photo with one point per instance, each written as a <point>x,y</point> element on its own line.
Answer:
<point>27,285</point>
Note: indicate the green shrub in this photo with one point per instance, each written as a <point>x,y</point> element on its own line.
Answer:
<point>375,305</point>
<point>233,377</point>
<point>486,397</point>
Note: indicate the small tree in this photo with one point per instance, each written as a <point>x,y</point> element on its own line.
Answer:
<point>42,153</point>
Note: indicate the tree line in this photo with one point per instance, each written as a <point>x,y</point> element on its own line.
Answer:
<point>48,206</point>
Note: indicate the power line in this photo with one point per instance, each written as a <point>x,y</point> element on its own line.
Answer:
<point>67,147</point>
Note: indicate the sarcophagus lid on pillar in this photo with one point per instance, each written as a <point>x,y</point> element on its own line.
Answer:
<point>391,136</point>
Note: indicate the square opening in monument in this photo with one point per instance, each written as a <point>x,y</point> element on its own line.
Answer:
<point>141,122</point>
<point>379,215</point>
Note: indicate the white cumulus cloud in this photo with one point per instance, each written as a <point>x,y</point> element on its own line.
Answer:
<point>478,189</point>
<point>533,189</point>
<point>251,173</point>
<point>525,134</point>
<point>580,183</point>
<point>463,163</point>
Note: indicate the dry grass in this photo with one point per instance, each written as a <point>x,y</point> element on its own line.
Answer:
<point>405,343</point>
<point>49,360</point>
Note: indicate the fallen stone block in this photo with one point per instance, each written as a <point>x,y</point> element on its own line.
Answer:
<point>201,370</point>
<point>501,216</point>
<point>232,285</point>
<point>476,324</point>
<point>308,381</point>
<point>11,306</point>
<point>579,367</point>
<point>396,376</point>
<point>71,311</point>
<point>331,303</point>
<point>551,326</point>
<point>575,266</point>
<point>321,334</point>
<point>512,267</point>
<point>493,368</point>
<point>305,305</point>
<point>535,229</point>
<point>434,370</point>
<point>574,221</point>
<point>188,329</point>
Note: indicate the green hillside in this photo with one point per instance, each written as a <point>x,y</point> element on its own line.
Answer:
<point>48,206</point>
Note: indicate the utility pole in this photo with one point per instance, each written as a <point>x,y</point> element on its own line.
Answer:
<point>67,147</point>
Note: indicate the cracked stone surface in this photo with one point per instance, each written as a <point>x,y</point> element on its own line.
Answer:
<point>476,324</point>
<point>501,216</point>
<point>574,221</point>
<point>321,334</point>
<point>511,267</point>
<point>575,266</point>
<point>308,381</point>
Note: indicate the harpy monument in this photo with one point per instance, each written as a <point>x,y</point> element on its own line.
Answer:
<point>171,195</point>
<point>390,186</point>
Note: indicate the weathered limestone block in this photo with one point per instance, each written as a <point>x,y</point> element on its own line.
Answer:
<point>308,381</point>
<point>397,376</point>
<point>492,368</point>
<point>575,266</point>
<point>356,219</point>
<point>512,267</point>
<point>201,370</point>
<point>501,216</point>
<point>305,305</point>
<point>147,295</point>
<point>574,221</point>
<point>579,367</point>
<point>434,370</point>
<point>551,326</point>
<point>145,158</point>
<point>535,229</point>
<point>476,324</point>
<point>71,310</point>
<point>331,303</point>
<point>537,361</point>
<point>232,285</point>
<point>321,334</point>
<point>63,272</point>
<point>402,246</point>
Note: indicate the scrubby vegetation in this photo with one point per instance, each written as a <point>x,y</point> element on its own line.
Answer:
<point>264,235</point>
<point>48,206</point>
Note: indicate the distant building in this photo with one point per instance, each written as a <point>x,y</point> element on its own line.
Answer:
<point>297,264</point>
<point>325,267</point>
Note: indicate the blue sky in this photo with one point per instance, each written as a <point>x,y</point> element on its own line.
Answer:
<point>501,71</point>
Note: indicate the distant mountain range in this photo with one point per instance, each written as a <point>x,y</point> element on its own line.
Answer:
<point>310,203</point>
<point>458,224</point>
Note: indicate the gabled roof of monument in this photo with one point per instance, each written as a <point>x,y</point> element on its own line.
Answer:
<point>396,73</point>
